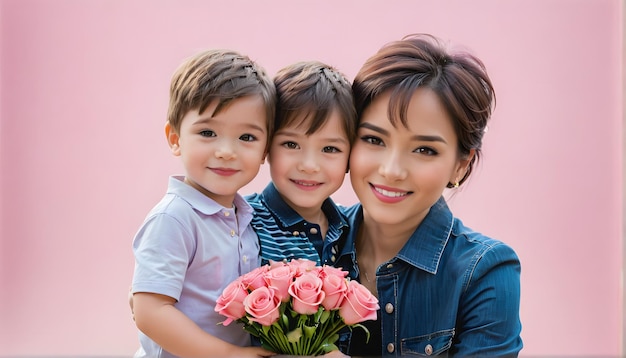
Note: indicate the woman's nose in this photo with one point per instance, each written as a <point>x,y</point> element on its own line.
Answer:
<point>392,167</point>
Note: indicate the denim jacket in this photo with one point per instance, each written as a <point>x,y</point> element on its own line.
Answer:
<point>449,291</point>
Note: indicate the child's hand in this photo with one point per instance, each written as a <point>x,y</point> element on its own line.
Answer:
<point>130,302</point>
<point>333,354</point>
<point>254,352</point>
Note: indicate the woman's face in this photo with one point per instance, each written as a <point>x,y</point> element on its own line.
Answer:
<point>398,173</point>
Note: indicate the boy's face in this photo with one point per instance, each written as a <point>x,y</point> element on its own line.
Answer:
<point>224,152</point>
<point>308,169</point>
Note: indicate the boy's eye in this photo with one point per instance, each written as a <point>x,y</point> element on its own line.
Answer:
<point>372,140</point>
<point>290,145</point>
<point>248,138</point>
<point>331,149</point>
<point>207,133</point>
<point>426,151</point>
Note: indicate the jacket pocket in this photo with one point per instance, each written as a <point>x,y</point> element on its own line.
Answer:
<point>431,344</point>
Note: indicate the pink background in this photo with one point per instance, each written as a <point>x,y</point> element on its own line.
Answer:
<point>83,153</point>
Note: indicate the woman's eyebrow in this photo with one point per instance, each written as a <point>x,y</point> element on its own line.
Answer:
<point>374,128</point>
<point>418,137</point>
<point>429,138</point>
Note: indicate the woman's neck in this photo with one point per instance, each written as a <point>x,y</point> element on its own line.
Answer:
<point>381,242</point>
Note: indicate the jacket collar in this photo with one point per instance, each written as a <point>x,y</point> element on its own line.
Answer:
<point>425,246</point>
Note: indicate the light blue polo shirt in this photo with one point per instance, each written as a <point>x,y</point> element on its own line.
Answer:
<point>190,248</point>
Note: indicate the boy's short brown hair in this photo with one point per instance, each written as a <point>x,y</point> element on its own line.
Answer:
<point>308,92</point>
<point>218,75</point>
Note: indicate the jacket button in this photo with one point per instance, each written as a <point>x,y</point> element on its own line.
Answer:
<point>391,348</point>
<point>428,350</point>
<point>389,266</point>
<point>389,308</point>
<point>296,233</point>
<point>313,231</point>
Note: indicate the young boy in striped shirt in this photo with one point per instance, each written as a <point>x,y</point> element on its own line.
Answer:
<point>308,157</point>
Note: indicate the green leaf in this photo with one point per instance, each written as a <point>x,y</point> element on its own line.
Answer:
<point>266,329</point>
<point>285,321</point>
<point>329,347</point>
<point>294,336</point>
<point>302,320</point>
<point>252,330</point>
<point>332,339</point>
<point>308,331</point>
<point>318,314</point>
<point>277,328</point>
<point>325,315</point>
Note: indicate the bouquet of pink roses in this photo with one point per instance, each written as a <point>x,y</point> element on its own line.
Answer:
<point>297,308</point>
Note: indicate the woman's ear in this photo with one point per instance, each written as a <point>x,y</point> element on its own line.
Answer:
<point>172,139</point>
<point>463,167</point>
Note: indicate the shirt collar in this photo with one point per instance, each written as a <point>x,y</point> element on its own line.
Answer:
<point>201,202</point>
<point>289,217</point>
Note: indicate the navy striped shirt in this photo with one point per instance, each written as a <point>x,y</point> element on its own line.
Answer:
<point>285,235</point>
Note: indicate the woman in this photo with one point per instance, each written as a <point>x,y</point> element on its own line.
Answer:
<point>443,288</point>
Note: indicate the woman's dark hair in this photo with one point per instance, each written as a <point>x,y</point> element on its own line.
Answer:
<point>459,79</point>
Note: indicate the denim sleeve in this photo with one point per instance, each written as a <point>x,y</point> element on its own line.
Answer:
<point>489,323</point>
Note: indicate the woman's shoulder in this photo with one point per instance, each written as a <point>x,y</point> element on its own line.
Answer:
<point>469,239</point>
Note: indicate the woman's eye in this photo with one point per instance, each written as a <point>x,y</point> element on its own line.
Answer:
<point>372,140</point>
<point>331,149</point>
<point>207,133</point>
<point>426,151</point>
<point>290,145</point>
<point>248,138</point>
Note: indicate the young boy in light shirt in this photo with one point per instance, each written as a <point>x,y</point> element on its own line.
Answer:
<point>198,238</point>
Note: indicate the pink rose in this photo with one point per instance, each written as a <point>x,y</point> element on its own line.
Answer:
<point>280,278</point>
<point>330,270</point>
<point>334,288</point>
<point>307,293</point>
<point>230,303</point>
<point>302,266</point>
<point>273,263</point>
<point>359,304</point>
<point>255,278</point>
<point>262,304</point>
